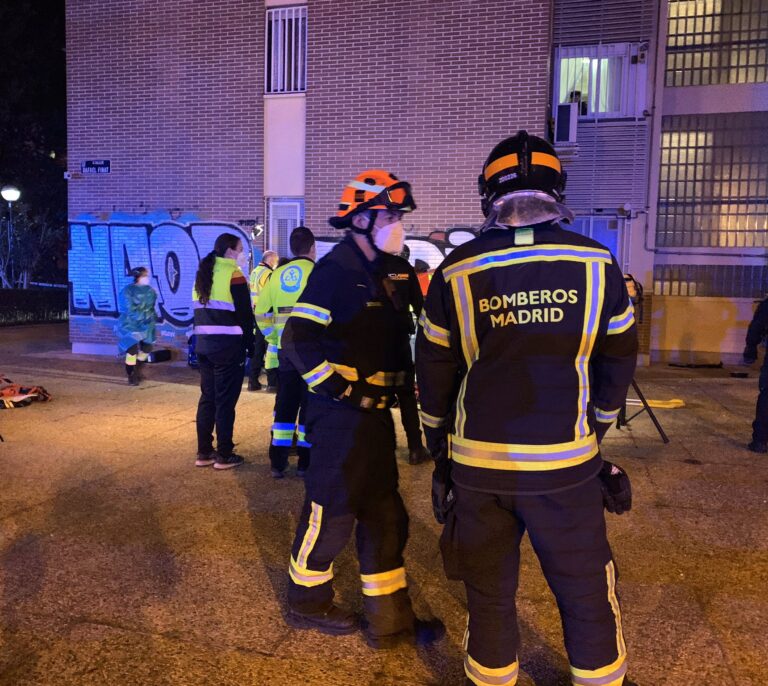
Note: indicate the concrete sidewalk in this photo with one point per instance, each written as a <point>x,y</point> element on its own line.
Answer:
<point>121,563</point>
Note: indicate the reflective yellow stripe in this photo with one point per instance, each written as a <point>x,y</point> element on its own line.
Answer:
<point>434,333</point>
<point>311,534</point>
<point>431,421</point>
<point>621,322</point>
<point>499,165</point>
<point>546,160</point>
<point>130,360</point>
<point>308,577</point>
<point>610,571</point>
<point>375,379</point>
<point>462,297</point>
<point>487,676</point>
<point>605,416</point>
<point>522,457</point>
<point>349,373</point>
<point>317,375</point>
<point>593,305</point>
<point>384,583</point>
<point>524,254</point>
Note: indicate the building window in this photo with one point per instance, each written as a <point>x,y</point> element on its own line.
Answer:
<point>286,50</point>
<point>710,280</point>
<point>606,81</point>
<point>283,216</point>
<point>713,184</point>
<point>605,229</point>
<point>713,42</point>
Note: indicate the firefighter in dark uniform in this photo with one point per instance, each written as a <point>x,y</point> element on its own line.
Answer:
<point>272,311</point>
<point>756,334</point>
<point>407,292</point>
<point>526,348</point>
<point>343,337</point>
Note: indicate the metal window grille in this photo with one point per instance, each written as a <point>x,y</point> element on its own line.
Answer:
<point>286,50</point>
<point>283,216</point>
<point>605,229</point>
<point>713,42</point>
<point>602,79</point>
<point>713,184</point>
<point>710,281</point>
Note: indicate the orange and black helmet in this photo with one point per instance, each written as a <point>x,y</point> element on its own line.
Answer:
<point>373,189</point>
<point>521,163</point>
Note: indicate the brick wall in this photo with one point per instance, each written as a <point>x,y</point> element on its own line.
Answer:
<point>423,88</point>
<point>171,94</point>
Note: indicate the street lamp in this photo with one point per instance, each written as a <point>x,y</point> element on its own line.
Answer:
<point>10,194</point>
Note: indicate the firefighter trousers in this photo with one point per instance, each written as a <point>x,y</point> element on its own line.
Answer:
<point>352,480</point>
<point>409,410</point>
<point>760,425</point>
<point>289,418</point>
<point>481,546</point>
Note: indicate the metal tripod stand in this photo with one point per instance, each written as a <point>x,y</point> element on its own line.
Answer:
<point>622,420</point>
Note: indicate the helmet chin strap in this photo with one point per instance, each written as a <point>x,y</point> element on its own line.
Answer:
<point>368,232</point>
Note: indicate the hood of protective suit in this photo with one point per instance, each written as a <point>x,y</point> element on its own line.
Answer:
<point>525,208</point>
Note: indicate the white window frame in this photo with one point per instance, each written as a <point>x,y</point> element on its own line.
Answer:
<point>282,75</point>
<point>632,83</point>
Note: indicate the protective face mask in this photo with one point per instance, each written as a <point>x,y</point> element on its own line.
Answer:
<point>242,260</point>
<point>143,281</point>
<point>390,238</point>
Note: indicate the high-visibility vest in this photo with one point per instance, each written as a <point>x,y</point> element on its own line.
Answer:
<point>259,278</point>
<point>217,316</point>
<point>276,302</point>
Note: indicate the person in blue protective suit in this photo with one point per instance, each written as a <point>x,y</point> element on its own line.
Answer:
<point>526,348</point>
<point>136,325</point>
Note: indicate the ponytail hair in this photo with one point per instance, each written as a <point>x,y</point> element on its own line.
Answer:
<point>137,273</point>
<point>204,276</point>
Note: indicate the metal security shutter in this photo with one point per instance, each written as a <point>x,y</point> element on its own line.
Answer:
<point>612,167</point>
<point>577,22</point>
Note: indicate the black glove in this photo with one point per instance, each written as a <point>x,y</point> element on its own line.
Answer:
<point>362,395</point>
<point>750,354</point>
<point>442,485</point>
<point>437,440</point>
<point>617,491</point>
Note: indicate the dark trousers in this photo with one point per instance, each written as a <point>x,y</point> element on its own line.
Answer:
<point>141,346</point>
<point>352,478</point>
<point>760,425</point>
<point>289,422</point>
<point>221,380</point>
<point>409,410</point>
<point>481,546</point>
<point>257,361</point>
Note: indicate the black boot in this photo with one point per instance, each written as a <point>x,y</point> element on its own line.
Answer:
<point>133,379</point>
<point>424,632</point>
<point>334,621</point>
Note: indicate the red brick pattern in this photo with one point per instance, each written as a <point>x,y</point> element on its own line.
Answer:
<point>423,88</point>
<point>171,94</point>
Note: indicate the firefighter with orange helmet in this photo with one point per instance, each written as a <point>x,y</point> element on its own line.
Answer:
<point>343,337</point>
<point>526,349</point>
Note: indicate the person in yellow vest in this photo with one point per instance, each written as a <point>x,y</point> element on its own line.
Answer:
<point>275,305</point>
<point>224,327</point>
<point>259,278</point>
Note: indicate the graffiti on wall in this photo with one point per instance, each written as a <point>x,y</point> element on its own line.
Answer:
<point>102,255</point>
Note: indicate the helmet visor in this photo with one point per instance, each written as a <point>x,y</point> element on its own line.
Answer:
<point>395,197</point>
<point>524,208</point>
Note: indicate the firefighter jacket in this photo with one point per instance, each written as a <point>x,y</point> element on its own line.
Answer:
<point>758,327</point>
<point>345,328</point>
<point>526,347</point>
<point>276,302</point>
<point>405,289</point>
<point>227,318</point>
<point>259,278</point>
